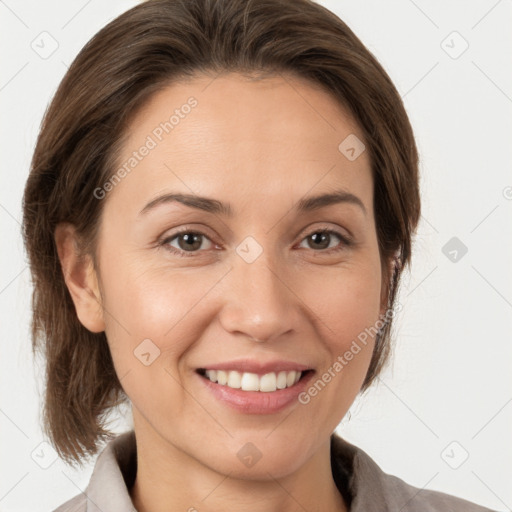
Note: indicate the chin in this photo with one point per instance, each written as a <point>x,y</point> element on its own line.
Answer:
<point>261,456</point>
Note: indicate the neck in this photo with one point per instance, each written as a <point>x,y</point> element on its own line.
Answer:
<point>169,479</point>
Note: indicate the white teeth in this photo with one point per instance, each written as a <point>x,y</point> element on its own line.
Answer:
<point>212,375</point>
<point>234,380</point>
<point>268,382</point>
<point>281,380</point>
<point>250,382</point>
<point>253,382</point>
<point>290,378</point>
<point>222,377</point>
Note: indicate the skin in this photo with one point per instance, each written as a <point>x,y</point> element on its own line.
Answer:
<point>273,142</point>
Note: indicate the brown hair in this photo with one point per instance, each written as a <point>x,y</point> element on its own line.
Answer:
<point>140,52</point>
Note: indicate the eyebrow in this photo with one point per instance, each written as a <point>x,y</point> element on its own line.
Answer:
<point>216,207</point>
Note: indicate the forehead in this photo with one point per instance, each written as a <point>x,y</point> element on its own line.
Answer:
<point>232,136</point>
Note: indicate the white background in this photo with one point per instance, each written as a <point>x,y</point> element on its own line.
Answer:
<point>450,375</point>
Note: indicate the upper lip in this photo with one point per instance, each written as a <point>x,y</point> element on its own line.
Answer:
<point>258,367</point>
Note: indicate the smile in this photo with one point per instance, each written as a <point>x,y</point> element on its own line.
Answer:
<point>254,386</point>
<point>247,381</point>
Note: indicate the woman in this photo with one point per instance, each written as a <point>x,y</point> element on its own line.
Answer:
<point>194,155</point>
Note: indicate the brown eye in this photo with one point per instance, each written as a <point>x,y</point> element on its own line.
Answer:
<point>323,239</point>
<point>188,242</point>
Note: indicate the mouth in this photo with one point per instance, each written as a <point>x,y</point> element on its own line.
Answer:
<point>269,382</point>
<point>251,386</point>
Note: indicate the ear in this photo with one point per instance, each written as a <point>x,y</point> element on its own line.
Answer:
<point>80,278</point>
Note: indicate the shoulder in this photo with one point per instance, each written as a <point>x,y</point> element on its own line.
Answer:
<point>76,504</point>
<point>372,490</point>
<point>112,476</point>
<point>414,499</point>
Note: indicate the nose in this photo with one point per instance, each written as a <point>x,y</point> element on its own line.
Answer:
<point>258,300</point>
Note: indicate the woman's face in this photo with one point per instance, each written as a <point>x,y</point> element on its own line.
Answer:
<point>251,285</point>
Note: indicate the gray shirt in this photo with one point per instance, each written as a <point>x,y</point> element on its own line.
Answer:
<point>364,486</point>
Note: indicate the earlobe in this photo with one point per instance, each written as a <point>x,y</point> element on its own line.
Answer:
<point>80,278</point>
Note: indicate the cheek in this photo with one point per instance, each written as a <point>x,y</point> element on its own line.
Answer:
<point>346,300</point>
<point>173,306</point>
<point>158,304</point>
<point>153,319</point>
<point>347,308</point>
<point>156,314</point>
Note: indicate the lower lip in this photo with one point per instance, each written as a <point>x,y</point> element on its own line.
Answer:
<point>257,402</point>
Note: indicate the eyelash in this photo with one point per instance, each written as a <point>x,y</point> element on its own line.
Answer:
<point>345,241</point>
